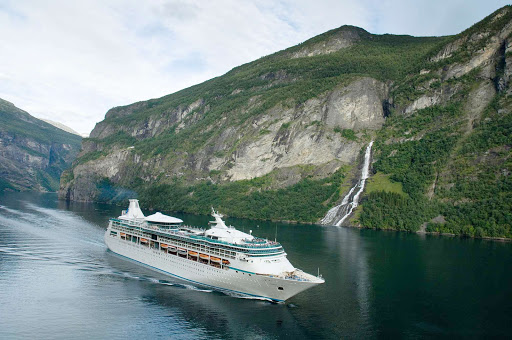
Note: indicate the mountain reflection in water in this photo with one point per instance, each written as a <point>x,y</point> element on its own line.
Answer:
<point>59,281</point>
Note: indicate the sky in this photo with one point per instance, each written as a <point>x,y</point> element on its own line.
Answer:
<point>71,61</point>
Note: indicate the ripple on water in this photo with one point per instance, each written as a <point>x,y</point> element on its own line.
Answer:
<point>57,277</point>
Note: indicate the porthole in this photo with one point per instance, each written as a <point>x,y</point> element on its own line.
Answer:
<point>280,288</point>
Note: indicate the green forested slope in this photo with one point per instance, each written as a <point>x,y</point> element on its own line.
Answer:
<point>276,79</point>
<point>453,160</point>
<point>442,156</point>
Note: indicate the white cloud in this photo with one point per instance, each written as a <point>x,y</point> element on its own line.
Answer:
<point>70,61</point>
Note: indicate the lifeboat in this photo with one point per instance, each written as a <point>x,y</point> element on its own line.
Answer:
<point>215,259</point>
<point>204,257</point>
<point>182,251</point>
<point>192,253</point>
<point>163,245</point>
<point>123,234</point>
<point>225,262</point>
<point>172,249</point>
<point>143,240</point>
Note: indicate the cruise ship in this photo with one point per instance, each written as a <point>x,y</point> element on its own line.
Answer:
<point>221,257</point>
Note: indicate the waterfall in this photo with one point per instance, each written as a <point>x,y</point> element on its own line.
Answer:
<point>339,213</point>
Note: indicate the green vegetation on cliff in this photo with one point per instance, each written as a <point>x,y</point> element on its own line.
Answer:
<point>462,175</point>
<point>442,157</point>
<point>33,153</point>
<point>298,202</point>
<point>272,80</point>
<point>453,159</point>
<point>19,124</point>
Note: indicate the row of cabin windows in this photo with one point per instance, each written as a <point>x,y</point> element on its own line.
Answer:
<point>201,248</point>
<point>218,251</point>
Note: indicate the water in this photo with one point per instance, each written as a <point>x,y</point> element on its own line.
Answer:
<point>336,215</point>
<point>57,280</point>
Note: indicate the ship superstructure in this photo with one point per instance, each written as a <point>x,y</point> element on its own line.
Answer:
<point>220,257</point>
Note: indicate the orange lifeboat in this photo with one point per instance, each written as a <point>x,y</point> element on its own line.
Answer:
<point>204,257</point>
<point>123,234</point>
<point>192,253</point>
<point>163,245</point>
<point>225,262</point>
<point>143,240</point>
<point>215,259</point>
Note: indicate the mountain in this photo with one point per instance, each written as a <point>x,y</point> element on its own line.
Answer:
<point>33,153</point>
<point>283,137</point>
<point>61,126</point>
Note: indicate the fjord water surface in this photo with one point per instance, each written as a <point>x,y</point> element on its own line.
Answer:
<point>58,280</point>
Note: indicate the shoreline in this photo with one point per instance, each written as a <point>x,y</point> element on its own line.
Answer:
<point>434,233</point>
<point>358,226</point>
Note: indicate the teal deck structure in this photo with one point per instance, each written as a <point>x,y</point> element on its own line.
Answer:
<point>257,248</point>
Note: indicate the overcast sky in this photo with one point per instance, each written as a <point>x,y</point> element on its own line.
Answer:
<point>71,60</point>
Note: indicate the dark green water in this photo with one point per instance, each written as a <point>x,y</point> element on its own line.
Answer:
<point>57,280</point>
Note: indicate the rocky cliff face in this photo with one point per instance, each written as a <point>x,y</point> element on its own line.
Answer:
<point>448,142</point>
<point>330,42</point>
<point>302,115</point>
<point>280,138</point>
<point>33,154</point>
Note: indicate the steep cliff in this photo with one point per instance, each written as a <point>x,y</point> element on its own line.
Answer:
<point>448,140</point>
<point>282,137</point>
<point>33,153</point>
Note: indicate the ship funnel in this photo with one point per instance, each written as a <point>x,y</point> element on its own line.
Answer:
<point>133,210</point>
<point>218,223</point>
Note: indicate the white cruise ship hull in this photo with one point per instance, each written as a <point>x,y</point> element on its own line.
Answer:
<point>231,280</point>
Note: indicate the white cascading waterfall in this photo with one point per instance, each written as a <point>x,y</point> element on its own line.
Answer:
<point>339,213</point>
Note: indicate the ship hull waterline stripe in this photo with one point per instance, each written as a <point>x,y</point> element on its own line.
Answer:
<point>199,283</point>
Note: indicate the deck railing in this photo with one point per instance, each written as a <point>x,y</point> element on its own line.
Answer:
<point>255,248</point>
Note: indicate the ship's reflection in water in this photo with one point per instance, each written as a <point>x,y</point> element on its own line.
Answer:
<point>57,280</point>
<point>202,311</point>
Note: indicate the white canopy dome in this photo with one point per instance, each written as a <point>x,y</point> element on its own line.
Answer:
<point>161,218</point>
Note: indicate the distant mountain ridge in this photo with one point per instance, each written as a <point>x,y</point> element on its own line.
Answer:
<point>33,153</point>
<point>282,137</point>
<point>63,127</point>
